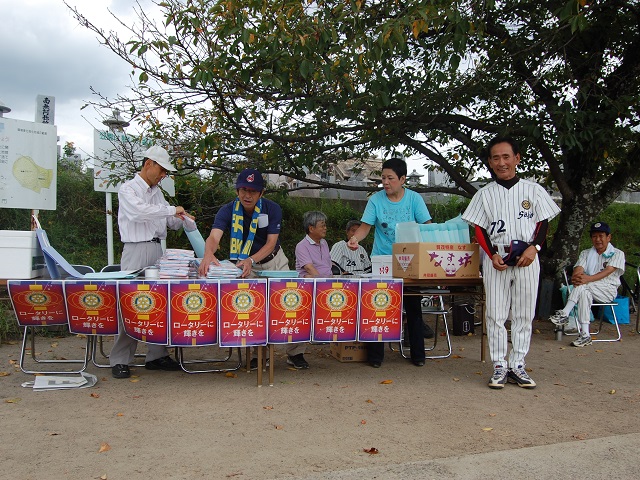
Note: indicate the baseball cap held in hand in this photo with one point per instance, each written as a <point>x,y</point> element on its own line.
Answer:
<point>516,249</point>
<point>250,178</point>
<point>160,156</point>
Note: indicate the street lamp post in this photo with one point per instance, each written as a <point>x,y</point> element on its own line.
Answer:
<point>116,124</point>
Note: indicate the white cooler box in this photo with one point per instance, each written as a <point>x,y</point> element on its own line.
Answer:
<point>20,255</point>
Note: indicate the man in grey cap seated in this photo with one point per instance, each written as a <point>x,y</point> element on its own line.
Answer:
<point>143,218</point>
<point>596,277</point>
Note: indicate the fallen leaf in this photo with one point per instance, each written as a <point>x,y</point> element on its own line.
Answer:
<point>478,373</point>
<point>456,356</point>
<point>371,451</point>
<point>134,380</point>
<point>104,447</point>
<point>528,369</point>
<point>580,436</point>
<point>597,350</point>
<point>456,379</point>
<point>231,375</point>
<point>54,344</point>
<point>461,349</point>
<point>120,414</point>
<point>363,422</point>
<point>612,392</point>
<point>536,331</point>
<point>95,395</point>
<point>103,477</point>
<point>278,427</point>
<point>487,429</point>
<point>492,414</point>
<point>268,407</point>
<point>369,401</point>
<point>12,400</point>
<point>4,374</point>
<point>386,382</point>
<point>13,362</point>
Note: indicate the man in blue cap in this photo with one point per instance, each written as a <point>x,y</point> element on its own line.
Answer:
<point>596,277</point>
<point>254,223</point>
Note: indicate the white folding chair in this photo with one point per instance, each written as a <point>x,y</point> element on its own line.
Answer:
<point>431,305</point>
<point>600,316</point>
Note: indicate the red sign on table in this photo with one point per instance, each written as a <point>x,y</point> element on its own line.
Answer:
<point>92,306</point>
<point>336,310</point>
<point>380,310</point>
<point>290,310</point>
<point>38,302</point>
<point>193,312</point>
<point>243,313</point>
<point>144,310</point>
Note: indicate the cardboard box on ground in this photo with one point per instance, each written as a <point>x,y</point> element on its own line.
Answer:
<point>349,351</point>
<point>427,261</point>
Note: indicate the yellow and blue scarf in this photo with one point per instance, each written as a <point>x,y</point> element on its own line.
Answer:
<point>238,250</point>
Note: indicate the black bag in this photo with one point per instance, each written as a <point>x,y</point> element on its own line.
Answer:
<point>463,318</point>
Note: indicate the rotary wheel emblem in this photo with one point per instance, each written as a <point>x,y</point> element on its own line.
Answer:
<point>38,299</point>
<point>290,300</point>
<point>243,301</point>
<point>91,301</point>
<point>336,300</point>
<point>381,300</point>
<point>143,302</point>
<point>193,303</point>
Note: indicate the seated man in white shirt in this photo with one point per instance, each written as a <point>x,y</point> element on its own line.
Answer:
<point>595,278</point>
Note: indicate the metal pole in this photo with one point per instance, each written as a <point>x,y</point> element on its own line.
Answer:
<point>109,212</point>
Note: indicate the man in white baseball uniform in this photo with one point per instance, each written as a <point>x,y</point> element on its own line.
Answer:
<point>511,219</point>
<point>354,262</point>
<point>596,277</point>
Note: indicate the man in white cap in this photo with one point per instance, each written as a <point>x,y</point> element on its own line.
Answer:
<point>143,218</point>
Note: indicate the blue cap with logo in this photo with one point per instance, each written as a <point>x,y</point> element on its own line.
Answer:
<point>600,227</point>
<point>250,178</point>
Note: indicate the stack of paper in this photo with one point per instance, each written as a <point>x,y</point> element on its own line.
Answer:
<point>175,263</point>
<point>226,269</point>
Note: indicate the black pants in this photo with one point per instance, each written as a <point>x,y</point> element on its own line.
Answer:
<point>413,307</point>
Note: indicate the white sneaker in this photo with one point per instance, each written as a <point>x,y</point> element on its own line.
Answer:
<point>559,318</point>
<point>499,377</point>
<point>520,377</point>
<point>582,341</point>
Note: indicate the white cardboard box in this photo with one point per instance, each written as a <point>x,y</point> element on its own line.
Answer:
<point>381,265</point>
<point>21,255</point>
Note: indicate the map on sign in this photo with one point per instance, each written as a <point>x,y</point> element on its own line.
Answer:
<point>28,161</point>
<point>113,153</point>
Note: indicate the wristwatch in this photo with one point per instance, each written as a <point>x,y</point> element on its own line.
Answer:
<point>538,247</point>
<point>252,260</point>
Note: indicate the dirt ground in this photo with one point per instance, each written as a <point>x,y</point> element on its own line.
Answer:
<point>312,422</point>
